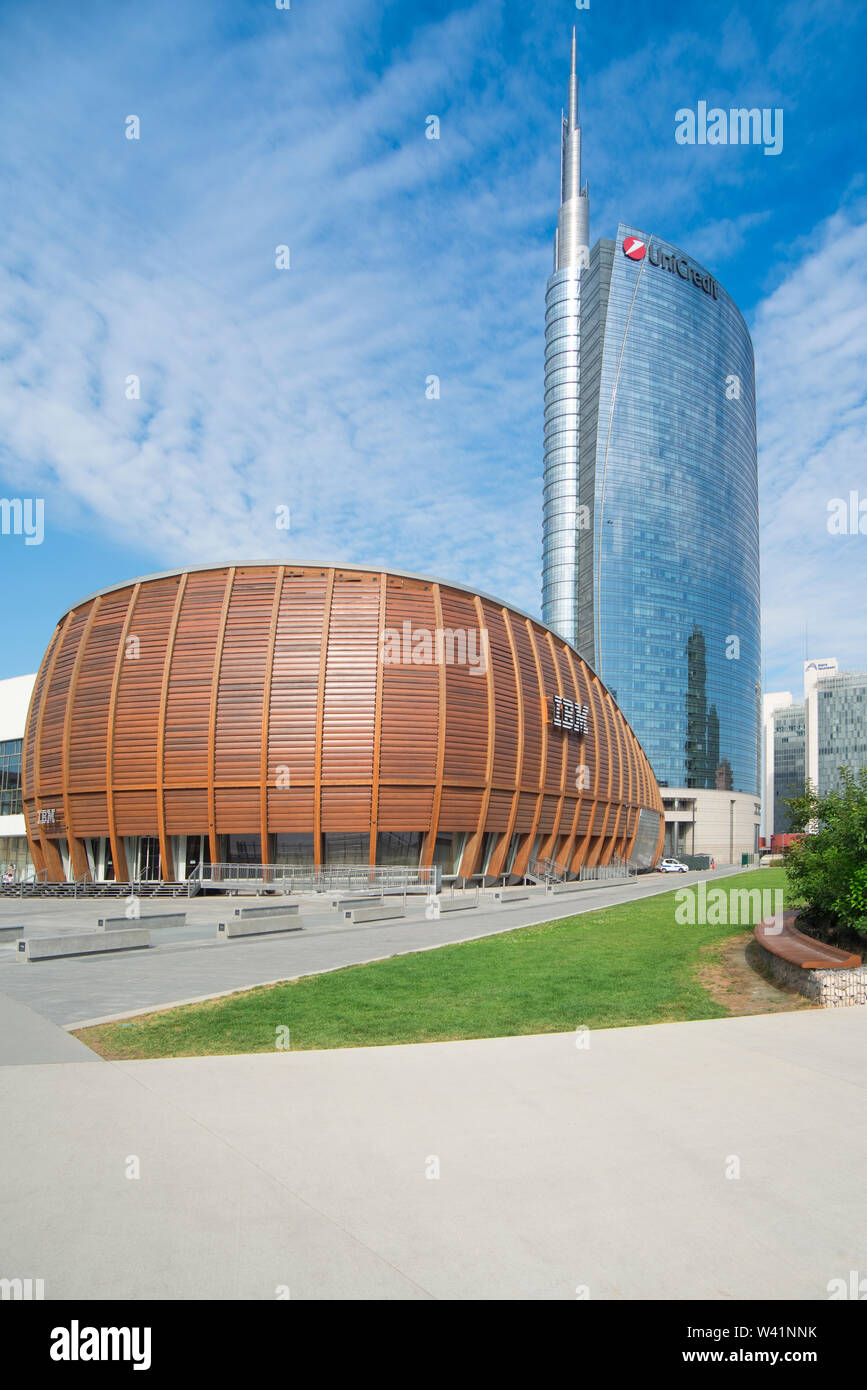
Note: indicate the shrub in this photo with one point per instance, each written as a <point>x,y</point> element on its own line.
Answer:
<point>828,867</point>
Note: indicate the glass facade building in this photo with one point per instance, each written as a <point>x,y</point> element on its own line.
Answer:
<point>842,727</point>
<point>665,594</point>
<point>790,763</point>
<point>563,323</point>
<point>650,519</point>
<point>10,777</point>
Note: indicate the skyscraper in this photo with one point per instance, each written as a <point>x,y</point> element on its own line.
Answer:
<point>562,378</point>
<point>651,534</point>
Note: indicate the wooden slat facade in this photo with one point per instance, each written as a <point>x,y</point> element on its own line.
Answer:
<point>270,700</point>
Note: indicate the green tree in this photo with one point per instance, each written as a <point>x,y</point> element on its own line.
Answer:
<point>828,867</point>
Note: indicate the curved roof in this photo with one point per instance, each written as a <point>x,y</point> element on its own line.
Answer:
<point>326,565</point>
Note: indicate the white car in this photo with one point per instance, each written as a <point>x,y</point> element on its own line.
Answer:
<point>671,866</point>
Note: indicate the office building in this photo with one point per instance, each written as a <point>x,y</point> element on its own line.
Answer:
<point>812,741</point>
<point>651,525</point>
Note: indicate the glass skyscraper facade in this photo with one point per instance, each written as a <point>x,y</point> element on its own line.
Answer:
<point>841,727</point>
<point>668,567</point>
<point>651,524</point>
<point>790,763</point>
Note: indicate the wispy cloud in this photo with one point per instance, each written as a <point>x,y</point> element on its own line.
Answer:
<point>410,258</point>
<point>811,345</point>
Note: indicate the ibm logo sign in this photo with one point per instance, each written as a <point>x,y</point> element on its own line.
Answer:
<point>566,715</point>
<point>48,817</point>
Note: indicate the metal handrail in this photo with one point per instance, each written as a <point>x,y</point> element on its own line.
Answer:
<point>356,877</point>
<point>552,872</point>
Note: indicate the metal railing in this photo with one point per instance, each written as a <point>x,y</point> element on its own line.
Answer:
<point>468,892</point>
<point>548,869</point>
<point>17,887</point>
<point>552,872</point>
<point>300,878</point>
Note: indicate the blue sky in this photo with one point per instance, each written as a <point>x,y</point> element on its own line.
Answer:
<point>263,388</point>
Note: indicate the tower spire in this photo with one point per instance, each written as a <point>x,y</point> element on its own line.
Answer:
<point>571,247</point>
<point>573,84</point>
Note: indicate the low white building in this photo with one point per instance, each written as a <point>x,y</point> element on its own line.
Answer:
<point>722,824</point>
<point>14,701</point>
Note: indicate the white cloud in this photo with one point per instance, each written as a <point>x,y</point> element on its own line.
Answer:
<point>810,337</point>
<point>410,257</point>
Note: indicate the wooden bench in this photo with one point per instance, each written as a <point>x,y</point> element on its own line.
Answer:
<point>792,945</point>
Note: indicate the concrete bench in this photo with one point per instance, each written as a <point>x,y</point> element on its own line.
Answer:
<point>259,926</point>
<point>153,919</point>
<point>377,913</point>
<point>583,886</point>
<point>11,933</point>
<point>359,899</point>
<point>83,944</point>
<point>510,895</point>
<point>280,910</point>
<point>457,907</point>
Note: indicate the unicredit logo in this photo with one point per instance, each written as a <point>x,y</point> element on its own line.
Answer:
<point>634,249</point>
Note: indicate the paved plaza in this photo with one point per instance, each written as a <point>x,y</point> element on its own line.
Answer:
<point>685,1160</point>
<point>560,1168</point>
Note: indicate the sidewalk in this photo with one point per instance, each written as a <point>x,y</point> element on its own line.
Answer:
<point>559,1168</point>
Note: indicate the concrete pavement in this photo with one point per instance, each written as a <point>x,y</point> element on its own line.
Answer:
<point>560,1168</point>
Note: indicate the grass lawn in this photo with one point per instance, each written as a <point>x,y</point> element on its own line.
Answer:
<point>612,968</point>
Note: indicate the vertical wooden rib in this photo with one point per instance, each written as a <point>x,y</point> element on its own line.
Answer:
<point>470,861</point>
<point>118,851</point>
<point>635,788</point>
<point>320,721</point>
<point>569,847</point>
<point>615,791</point>
<point>77,856</point>
<point>377,726</point>
<point>492,720</point>
<point>502,853</point>
<point>618,724</point>
<point>167,859</point>
<point>543,760</point>
<point>604,849</point>
<point>550,845</point>
<point>583,852</point>
<point>50,853</point>
<point>430,843</point>
<point>264,837</point>
<point>212,720</point>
